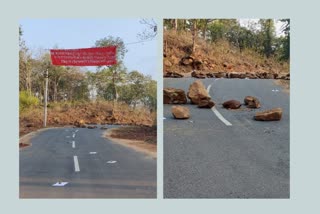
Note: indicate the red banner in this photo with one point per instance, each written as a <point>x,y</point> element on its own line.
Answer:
<point>84,56</point>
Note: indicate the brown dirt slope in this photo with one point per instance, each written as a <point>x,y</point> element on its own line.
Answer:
<point>60,114</point>
<point>145,138</point>
<point>214,57</point>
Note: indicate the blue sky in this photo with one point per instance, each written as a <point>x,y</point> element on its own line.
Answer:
<point>82,33</point>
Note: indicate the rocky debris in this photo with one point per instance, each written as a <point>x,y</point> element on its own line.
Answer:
<point>79,123</point>
<point>266,75</point>
<point>231,104</point>
<point>173,74</point>
<point>237,75</point>
<point>197,64</point>
<point>29,125</point>
<point>206,104</point>
<point>284,76</point>
<point>187,61</point>
<point>103,127</point>
<point>252,102</point>
<point>167,63</point>
<point>180,112</point>
<point>174,96</point>
<point>91,127</point>
<point>219,74</point>
<point>269,115</point>
<point>210,75</point>
<point>227,65</point>
<point>198,74</point>
<point>197,92</point>
<point>251,76</point>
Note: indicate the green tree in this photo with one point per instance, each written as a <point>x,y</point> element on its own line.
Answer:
<point>115,71</point>
<point>25,65</point>
<point>285,44</point>
<point>268,36</point>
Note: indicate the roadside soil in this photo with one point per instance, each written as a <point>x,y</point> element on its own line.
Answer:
<point>145,138</point>
<point>61,115</point>
<point>285,84</point>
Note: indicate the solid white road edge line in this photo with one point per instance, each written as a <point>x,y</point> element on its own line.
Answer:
<point>73,144</point>
<point>76,164</point>
<point>217,113</point>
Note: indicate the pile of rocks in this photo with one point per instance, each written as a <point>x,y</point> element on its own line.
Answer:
<point>198,95</point>
<point>253,102</point>
<point>239,75</point>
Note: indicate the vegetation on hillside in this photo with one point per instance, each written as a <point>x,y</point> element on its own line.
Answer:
<point>111,94</point>
<point>226,45</point>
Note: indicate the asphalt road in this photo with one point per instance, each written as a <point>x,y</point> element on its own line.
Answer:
<point>87,164</point>
<point>205,158</point>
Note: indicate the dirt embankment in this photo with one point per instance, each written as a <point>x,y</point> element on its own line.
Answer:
<point>145,138</point>
<point>61,114</point>
<point>220,58</point>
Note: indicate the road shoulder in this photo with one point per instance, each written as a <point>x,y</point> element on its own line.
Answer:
<point>142,146</point>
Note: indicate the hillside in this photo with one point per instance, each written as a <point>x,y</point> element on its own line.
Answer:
<point>220,59</point>
<point>67,114</point>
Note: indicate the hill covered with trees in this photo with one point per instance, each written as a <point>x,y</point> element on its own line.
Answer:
<point>111,94</point>
<point>227,46</point>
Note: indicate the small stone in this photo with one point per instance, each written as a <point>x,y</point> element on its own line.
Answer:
<point>206,104</point>
<point>252,102</point>
<point>231,104</point>
<point>180,112</point>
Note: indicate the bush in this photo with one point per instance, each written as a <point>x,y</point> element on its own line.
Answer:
<point>27,100</point>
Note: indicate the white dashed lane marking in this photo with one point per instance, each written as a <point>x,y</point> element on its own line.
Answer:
<point>76,164</point>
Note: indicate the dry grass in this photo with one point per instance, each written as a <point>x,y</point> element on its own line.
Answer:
<point>214,55</point>
<point>100,112</point>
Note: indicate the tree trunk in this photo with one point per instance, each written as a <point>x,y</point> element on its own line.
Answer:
<point>194,35</point>
<point>175,24</point>
<point>204,31</point>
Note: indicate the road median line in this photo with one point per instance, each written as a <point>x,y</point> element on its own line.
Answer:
<point>217,113</point>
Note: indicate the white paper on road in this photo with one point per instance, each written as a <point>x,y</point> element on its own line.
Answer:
<point>164,118</point>
<point>92,153</point>
<point>59,184</point>
<point>112,161</point>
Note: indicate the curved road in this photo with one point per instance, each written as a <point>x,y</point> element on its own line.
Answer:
<point>93,166</point>
<point>206,158</point>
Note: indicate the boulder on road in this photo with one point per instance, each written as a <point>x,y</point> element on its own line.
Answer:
<point>252,102</point>
<point>180,112</point>
<point>269,115</point>
<point>174,96</point>
<point>231,104</point>
<point>206,104</point>
<point>197,92</point>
